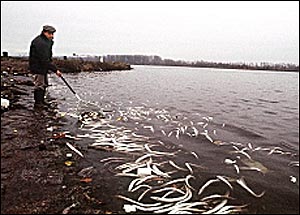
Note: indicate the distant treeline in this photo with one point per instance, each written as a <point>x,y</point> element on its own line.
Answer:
<point>156,60</point>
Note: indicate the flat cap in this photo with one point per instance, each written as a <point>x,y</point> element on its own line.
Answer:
<point>49,28</point>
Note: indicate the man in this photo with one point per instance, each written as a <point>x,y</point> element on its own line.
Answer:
<point>40,62</point>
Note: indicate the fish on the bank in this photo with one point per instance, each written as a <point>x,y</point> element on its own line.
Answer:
<point>242,182</point>
<point>195,154</point>
<point>163,132</point>
<point>294,163</point>
<point>187,181</point>
<point>222,178</point>
<point>241,151</point>
<point>229,161</point>
<point>189,167</point>
<point>74,149</point>
<point>237,168</point>
<point>275,150</point>
<point>218,207</point>
<point>207,184</point>
<point>205,133</point>
<point>254,165</point>
<point>138,203</point>
<point>159,172</point>
<point>149,127</point>
<point>187,196</point>
<point>176,166</point>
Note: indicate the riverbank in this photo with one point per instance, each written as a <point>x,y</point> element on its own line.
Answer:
<point>35,177</point>
<point>20,64</point>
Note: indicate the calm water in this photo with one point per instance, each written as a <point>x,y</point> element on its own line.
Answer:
<point>254,111</point>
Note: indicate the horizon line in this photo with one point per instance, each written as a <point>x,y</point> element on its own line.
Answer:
<point>190,61</point>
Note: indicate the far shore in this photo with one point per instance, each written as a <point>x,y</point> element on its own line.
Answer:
<point>123,62</point>
<point>212,68</point>
<point>158,61</point>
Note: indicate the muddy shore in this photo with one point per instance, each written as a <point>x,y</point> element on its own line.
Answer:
<point>35,178</point>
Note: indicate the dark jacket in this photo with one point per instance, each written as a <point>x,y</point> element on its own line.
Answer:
<point>40,56</point>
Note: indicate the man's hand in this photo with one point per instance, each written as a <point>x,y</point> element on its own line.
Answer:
<point>58,73</point>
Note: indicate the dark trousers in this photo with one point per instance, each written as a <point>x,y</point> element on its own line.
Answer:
<point>40,81</point>
<point>40,86</point>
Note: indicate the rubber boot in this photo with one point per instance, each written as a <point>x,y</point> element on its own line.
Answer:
<point>38,98</point>
<point>46,101</point>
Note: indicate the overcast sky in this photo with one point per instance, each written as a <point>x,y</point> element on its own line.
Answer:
<point>210,31</point>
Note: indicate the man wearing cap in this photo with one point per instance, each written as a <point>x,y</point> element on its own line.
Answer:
<point>40,62</point>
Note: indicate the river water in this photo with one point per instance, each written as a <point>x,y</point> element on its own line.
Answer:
<point>242,125</point>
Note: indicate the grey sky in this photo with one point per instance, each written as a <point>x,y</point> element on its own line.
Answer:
<point>210,31</point>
